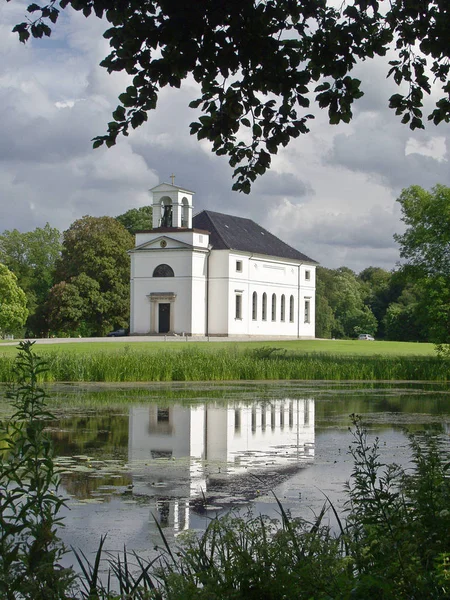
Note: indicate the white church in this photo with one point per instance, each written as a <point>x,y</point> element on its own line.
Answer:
<point>214,274</point>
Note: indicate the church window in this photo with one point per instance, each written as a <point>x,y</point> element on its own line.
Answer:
<point>264,307</point>
<point>307,310</point>
<point>184,213</point>
<point>163,271</point>
<point>283,307</point>
<point>238,306</point>
<point>307,275</point>
<point>274,307</point>
<point>254,306</point>
<point>166,213</point>
<point>291,309</point>
<point>239,266</point>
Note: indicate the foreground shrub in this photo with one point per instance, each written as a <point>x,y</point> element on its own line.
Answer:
<point>29,502</point>
<point>398,521</point>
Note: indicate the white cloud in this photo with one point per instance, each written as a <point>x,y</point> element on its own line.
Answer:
<point>330,193</point>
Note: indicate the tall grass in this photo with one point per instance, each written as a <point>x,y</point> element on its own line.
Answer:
<point>228,364</point>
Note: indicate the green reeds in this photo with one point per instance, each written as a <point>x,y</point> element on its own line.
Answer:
<point>230,364</point>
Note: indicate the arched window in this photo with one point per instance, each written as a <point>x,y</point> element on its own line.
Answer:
<point>184,213</point>
<point>283,307</point>
<point>163,271</point>
<point>166,212</point>
<point>274,307</point>
<point>254,306</point>
<point>291,309</point>
<point>307,310</point>
<point>264,307</point>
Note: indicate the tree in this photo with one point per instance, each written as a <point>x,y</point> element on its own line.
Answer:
<point>379,293</point>
<point>92,291</point>
<point>258,64</point>
<point>426,247</point>
<point>405,320</point>
<point>31,256</point>
<point>13,303</point>
<point>136,218</point>
<point>344,295</point>
<point>426,242</point>
<point>326,325</point>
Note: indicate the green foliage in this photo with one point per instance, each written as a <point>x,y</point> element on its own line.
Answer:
<point>92,291</point>
<point>427,237</point>
<point>425,245</point>
<point>136,219</point>
<point>252,558</point>
<point>29,502</point>
<point>13,303</point>
<point>326,324</point>
<point>341,296</point>
<point>260,64</point>
<point>230,364</point>
<point>31,256</point>
<point>398,520</point>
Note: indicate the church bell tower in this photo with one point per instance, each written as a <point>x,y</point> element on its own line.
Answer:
<point>172,207</point>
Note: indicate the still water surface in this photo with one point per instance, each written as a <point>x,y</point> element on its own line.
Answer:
<point>184,453</point>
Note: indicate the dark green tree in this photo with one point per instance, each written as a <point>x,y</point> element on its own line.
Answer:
<point>258,65</point>
<point>13,303</point>
<point>405,319</point>
<point>326,325</point>
<point>426,242</point>
<point>136,218</point>
<point>425,246</point>
<point>379,293</point>
<point>31,256</point>
<point>345,296</point>
<point>92,291</point>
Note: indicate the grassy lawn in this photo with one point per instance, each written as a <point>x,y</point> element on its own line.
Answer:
<point>335,347</point>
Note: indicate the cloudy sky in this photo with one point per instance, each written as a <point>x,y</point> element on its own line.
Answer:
<point>331,194</point>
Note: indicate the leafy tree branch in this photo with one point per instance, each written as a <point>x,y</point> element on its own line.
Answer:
<point>260,65</point>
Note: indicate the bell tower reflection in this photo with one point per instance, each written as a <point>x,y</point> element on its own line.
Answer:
<point>187,454</point>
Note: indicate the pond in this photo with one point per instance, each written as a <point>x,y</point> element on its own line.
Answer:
<point>180,454</point>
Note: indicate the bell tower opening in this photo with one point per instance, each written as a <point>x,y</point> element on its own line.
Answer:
<point>166,213</point>
<point>172,206</point>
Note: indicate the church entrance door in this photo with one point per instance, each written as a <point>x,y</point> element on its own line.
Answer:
<point>164,317</point>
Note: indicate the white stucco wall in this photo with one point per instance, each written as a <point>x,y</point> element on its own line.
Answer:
<point>188,286</point>
<point>218,297</point>
<point>260,274</point>
<point>208,282</point>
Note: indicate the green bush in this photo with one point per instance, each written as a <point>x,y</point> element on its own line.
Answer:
<point>29,502</point>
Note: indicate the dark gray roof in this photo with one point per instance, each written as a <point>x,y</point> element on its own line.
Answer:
<point>236,233</point>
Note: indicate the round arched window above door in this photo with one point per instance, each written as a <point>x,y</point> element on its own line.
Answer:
<point>163,271</point>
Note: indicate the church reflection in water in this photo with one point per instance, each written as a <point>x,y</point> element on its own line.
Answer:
<point>188,460</point>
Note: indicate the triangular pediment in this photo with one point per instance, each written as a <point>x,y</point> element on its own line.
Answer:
<point>162,242</point>
<point>168,187</point>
